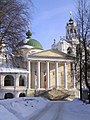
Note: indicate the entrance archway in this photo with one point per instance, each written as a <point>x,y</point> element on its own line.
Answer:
<point>22,95</point>
<point>8,96</point>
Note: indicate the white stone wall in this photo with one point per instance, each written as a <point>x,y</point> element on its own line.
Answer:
<point>16,89</point>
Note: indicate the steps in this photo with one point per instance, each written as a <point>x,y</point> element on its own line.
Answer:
<point>55,94</point>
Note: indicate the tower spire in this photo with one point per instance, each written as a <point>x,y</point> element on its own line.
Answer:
<point>71,14</point>
<point>28,33</point>
<point>71,19</point>
<point>28,25</point>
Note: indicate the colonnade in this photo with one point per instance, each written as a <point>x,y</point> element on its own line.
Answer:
<point>57,80</point>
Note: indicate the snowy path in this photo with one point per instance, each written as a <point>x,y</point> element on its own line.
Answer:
<point>52,111</point>
<point>43,109</point>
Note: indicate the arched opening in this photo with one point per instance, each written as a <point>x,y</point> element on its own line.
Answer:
<point>69,50</point>
<point>68,31</point>
<point>22,80</point>
<point>8,96</point>
<point>9,80</point>
<point>22,95</point>
<point>71,30</point>
<point>74,30</point>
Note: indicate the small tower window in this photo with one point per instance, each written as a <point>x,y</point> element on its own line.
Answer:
<point>68,31</point>
<point>71,30</point>
<point>74,30</point>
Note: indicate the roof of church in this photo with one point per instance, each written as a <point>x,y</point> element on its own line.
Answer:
<point>12,70</point>
<point>34,43</point>
<point>52,53</point>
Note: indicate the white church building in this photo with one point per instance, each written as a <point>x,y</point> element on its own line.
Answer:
<point>40,69</point>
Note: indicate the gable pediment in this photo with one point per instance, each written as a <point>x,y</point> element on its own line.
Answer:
<point>51,53</point>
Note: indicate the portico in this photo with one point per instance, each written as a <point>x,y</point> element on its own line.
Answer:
<point>51,71</point>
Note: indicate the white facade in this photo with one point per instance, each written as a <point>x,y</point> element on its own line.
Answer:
<point>45,69</point>
<point>47,72</point>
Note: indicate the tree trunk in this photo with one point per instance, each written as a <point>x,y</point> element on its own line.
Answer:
<point>86,80</point>
<point>80,74</point>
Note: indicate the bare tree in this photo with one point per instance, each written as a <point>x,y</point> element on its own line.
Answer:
<point>83,22</point>
<point>14,16</point>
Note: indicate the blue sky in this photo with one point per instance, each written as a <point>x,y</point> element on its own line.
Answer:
<point>49,20</point>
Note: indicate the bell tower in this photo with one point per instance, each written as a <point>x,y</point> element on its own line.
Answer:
<point>71,35</point>
<point>71,29</point>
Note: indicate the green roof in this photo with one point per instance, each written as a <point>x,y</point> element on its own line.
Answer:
<point>34,43</point>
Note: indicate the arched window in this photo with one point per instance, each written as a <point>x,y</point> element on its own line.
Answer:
<point>8,95</point>
<point>68,31</point>
<point>9,80</point>
<point>22,80</point>
<point>74,30</point>
<point>71,30</point>
<point>69,50</point>
<point>22,95</point>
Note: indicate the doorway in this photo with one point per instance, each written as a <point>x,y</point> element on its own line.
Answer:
<point>45,81</point>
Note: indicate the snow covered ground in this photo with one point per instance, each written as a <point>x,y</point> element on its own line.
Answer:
<point>76,110</point>
<point>37,108</point>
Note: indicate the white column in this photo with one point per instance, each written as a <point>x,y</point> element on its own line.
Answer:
<point>26,80</point>
<point>65,75</point>
<point>56,75</point>
<point>2,80</point>
<point>29,76</point>
<point>47,75</point>
<point>33,75</point>
<point>38,75</point>
<point>16,80</point>
<point>16,94</point>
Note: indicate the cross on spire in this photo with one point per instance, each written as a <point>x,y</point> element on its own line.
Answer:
<point>70,14</point>
<point>28,33</point>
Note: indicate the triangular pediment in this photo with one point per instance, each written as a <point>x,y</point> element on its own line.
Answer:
<point>51,53</point>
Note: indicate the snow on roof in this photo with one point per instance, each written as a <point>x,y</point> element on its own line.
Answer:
<point>12,70</point>
<point>26,47</point>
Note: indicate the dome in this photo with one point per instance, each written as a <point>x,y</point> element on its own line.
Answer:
<point>34,43</point>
